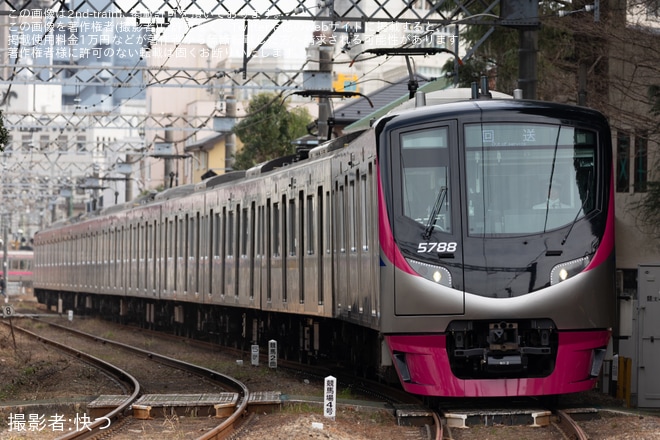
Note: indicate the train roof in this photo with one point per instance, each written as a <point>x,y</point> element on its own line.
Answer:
<point>435,92</point>
<point>529,107</point>
<point>448,96</point>
<point>272,164</point>
<point>175,192</point>
<point>142,200</point>
<point>219,180</point>
<point>333,144</point>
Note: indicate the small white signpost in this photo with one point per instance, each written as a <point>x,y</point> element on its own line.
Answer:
<point>330,397</point>
<point>255,355</point>
<point>272,353</point>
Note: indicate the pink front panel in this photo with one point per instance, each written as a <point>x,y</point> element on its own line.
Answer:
<point>428,363</point>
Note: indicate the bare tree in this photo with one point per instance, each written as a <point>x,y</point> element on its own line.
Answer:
<point>4,134</point>
<point>607,59</point>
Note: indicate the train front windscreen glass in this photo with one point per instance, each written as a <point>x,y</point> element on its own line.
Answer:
<point>527,179</point>
<point>425,178</point>
<point>520,178</point>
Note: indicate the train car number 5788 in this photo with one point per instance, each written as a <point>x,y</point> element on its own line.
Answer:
<point>442,246</point>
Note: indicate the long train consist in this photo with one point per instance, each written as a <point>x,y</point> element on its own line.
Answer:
<point>467,246</point>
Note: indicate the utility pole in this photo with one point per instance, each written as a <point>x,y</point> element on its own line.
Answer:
<point>128,187</point>
<point>325,66</point>
<point>587,53</point>
<point>527,62</point>
<point>523,15</point>
<point>167,169</point>
<point>230,137</point>
<point>582,82</point>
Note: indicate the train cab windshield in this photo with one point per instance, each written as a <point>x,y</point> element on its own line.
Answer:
<point>520,178</point>
<point>425,178</point>
<point>526,178</point>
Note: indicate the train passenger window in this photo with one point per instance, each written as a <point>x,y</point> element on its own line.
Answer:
<point>203,235</point>
<point>192,236</point>
<point>154,252</point>
<point>326,224</point>
<point>181,230</point>
<point>301,244</point>
<point>217,236</point>
<point>352,214</point>
<point>364,211</point>
<point>321,227</point>
<point>260,231</point>
<point>223,256</point>
<point>528,178</point>
<point>311,239</point>
<point>425,166</point>
<point>252,246</point>
<point>183,251</point>
<point>268,233</point>
<point>236,246</point>
<point>284,243</point>
<point>230,234</point>
<point>244,232</point>
<point>277,251</point>
<point>341,200</point>
<point>146,249</point>
<point>292,228</point>
<point>170,241</point>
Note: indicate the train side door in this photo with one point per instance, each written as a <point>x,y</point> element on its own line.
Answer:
<point>426,219</point>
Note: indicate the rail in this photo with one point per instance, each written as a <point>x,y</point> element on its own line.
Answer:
<point>127,382</point>
<point>569,427</point>
<point>225,427</point>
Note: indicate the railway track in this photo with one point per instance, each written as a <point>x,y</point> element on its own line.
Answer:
<point>569,427</point>
<point>123,379</point>
<point>406,407</point>
<point>119,413</point>
<point>560,423</point>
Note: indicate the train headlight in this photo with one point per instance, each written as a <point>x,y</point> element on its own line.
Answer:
<point>437,274</point>
<point>564,271</point>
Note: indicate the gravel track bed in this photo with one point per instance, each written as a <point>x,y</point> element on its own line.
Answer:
<point>34,372</point>
<point>607,426</point>
<point>623,426</point>
<point>57,385</point>
<point>154,378</point>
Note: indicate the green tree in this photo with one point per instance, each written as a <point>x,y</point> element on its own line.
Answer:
<point>268,129</point>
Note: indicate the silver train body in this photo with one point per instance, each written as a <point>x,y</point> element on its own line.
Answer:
<point>323,253</point>
<point>271,241</point>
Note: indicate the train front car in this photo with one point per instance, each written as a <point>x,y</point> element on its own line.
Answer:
<point>497,247</point>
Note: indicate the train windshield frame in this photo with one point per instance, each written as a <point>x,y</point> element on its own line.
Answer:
<point>527,178</point>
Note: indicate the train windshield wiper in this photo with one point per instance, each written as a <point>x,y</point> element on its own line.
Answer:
<point>584,203</point>
<point>552,175</point>
<point>434,212</point>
